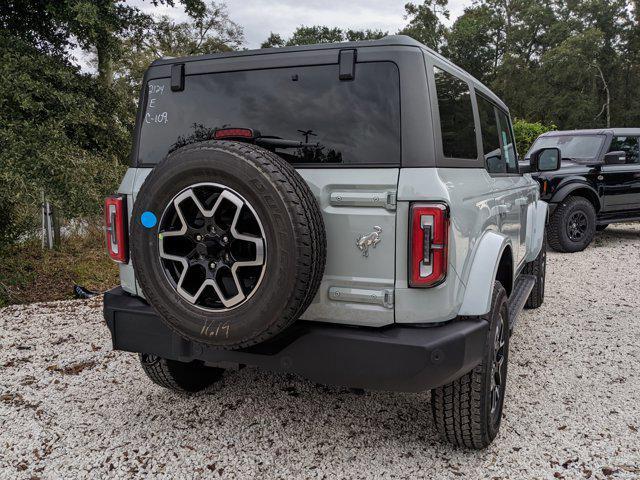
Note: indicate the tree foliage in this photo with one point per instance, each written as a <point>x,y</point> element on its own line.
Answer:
<point>62,134</point>
<point>305,35</point>
<point>425,23</point>
<point>574,64</point>
<point>527,132</point>
<point>66,133</point>
<point>210,30</point>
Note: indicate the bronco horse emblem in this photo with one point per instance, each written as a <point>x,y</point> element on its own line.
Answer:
<point>369,240</point>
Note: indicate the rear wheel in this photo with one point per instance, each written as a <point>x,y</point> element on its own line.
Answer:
<point>537,268</point>
<point>179,376</point>
<point>467,412</point>
<point>573,225</point>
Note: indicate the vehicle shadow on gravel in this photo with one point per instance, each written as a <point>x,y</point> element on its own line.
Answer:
<point>616,234</point>
<point>261,402</point>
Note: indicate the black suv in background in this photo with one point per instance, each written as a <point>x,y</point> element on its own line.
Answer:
<point>598,183</point>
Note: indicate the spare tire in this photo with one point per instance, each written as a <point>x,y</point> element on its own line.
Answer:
<point>227,243</point>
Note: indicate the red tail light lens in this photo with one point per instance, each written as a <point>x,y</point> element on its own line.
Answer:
<point>429,236</point>
<point>233,133</point>
<point>116,228</point>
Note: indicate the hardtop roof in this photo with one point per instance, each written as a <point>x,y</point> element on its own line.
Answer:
<point>388,41</point>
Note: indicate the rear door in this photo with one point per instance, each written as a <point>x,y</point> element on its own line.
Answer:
<point>342,134</point>
<point>512,191</point>
<point>621,183</point>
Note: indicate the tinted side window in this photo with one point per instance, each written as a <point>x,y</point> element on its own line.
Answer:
<point>629,145</point>
<point>456,116</point>
<point>498,144</point>
<point>490,138</point>
<point>507,141</point>
<point>325,120</point>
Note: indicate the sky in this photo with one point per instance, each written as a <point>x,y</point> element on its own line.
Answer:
<point>260,17</point>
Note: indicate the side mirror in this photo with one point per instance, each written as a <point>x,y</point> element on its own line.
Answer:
<point>615,158</point>
<point>545,160</point>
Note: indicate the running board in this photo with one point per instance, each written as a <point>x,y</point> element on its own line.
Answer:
<point>519,296</point>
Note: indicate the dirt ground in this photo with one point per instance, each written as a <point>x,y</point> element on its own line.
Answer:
<point>72,408</point>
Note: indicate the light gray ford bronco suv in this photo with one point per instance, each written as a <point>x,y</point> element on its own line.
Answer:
<point>353,213</point>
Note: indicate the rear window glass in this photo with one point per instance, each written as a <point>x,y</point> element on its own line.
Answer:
<point>341,122</point>
<point>456,116</point>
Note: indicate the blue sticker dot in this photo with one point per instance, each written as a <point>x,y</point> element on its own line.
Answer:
<point>148,219</point>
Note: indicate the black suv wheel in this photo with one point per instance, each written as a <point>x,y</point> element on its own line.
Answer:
<point>572,226</point>
<point>467,412</point>
<point>179,376</point>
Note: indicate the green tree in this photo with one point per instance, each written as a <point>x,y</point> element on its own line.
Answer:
<point>321,34</point>
<point>209,31</point>
<point>476,42</point>
<point>527,132</point>
<point>425,24</point>
<point>359,35</point>
<point>315,34</point>
<point>274,40</point>
<point>61,134</point>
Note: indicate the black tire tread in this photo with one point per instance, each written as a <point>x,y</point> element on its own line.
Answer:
<point>458,408</point>
<point>555,238</point>
<point>314,220</point>
<point>178,376</point>
<point>535,268</point>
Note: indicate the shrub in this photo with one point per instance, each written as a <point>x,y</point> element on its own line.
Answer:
<point>527,132</point>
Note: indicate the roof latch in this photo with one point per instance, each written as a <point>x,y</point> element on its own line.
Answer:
<point>177,77</point>
<point>347,61</point>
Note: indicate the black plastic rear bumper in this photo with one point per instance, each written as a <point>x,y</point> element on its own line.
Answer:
<point>399,358</point>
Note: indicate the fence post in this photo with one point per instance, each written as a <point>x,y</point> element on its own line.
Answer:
<point>44,221</point>
<point>50,225</point>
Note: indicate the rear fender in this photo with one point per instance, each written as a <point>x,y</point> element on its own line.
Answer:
<point>477,296</point>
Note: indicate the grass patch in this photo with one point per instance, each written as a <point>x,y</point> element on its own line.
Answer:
<point>30,274</point>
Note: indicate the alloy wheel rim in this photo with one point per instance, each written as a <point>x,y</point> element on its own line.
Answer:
<point>577,226</point>
<point>497,367</point>
<point>212,247</point>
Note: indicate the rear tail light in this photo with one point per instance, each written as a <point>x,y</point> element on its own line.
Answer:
<point>116,228</point>
<point>428,248</point>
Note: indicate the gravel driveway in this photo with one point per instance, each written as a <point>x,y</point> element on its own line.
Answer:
<point>72,408</point>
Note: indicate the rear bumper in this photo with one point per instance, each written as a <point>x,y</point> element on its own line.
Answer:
<point>397,358</point>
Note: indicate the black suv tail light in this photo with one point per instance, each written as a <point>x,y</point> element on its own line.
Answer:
<point>116,227</point>
<point>428,244</point>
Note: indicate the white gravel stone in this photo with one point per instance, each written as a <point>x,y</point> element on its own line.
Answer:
<point>72,408</point>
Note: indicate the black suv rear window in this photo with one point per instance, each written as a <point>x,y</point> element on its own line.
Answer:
<point>353,122</point>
